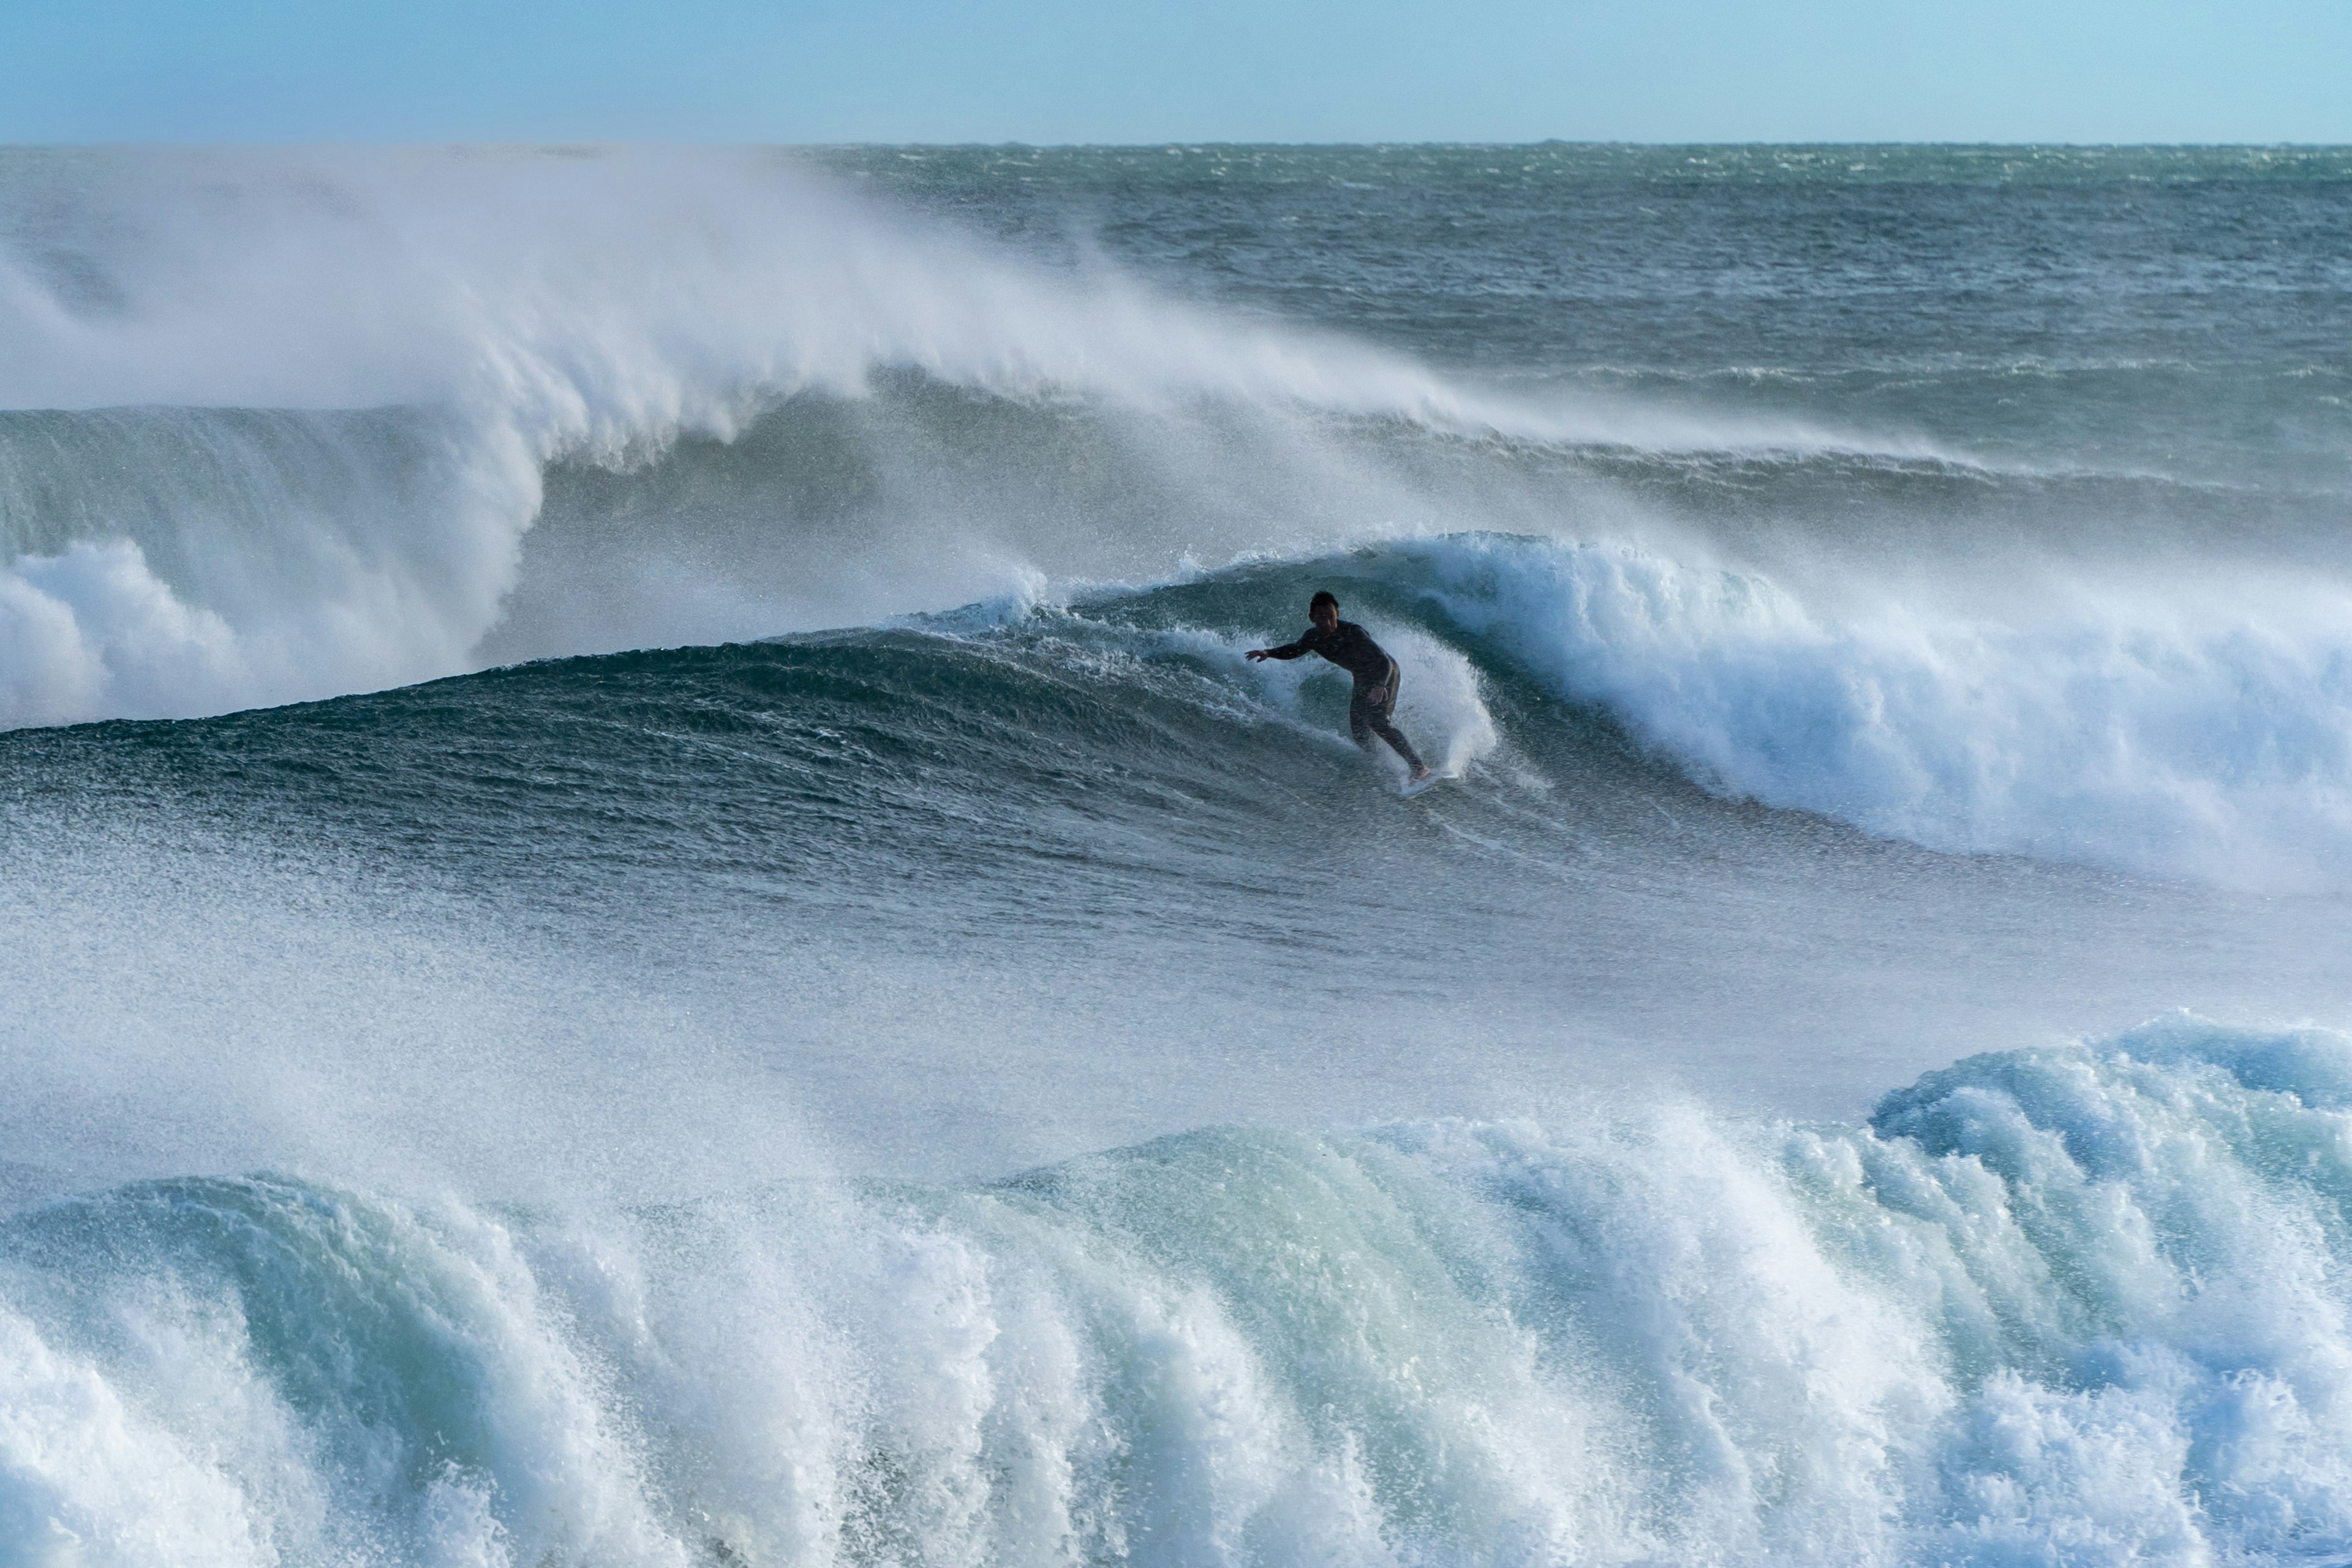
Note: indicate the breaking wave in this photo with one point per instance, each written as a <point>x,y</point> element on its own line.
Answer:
<point>2081,1303</point>
<point>282,422</point>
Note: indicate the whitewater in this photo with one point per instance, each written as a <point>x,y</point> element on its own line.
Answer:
<point>650,915</point>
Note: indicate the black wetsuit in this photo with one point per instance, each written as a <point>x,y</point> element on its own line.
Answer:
<point>1352,648</point>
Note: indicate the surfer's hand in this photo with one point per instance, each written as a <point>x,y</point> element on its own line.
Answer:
<point>1255,655</point>
<point>1377,694</point>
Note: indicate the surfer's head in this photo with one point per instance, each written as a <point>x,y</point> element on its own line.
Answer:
<point>1323,609</point>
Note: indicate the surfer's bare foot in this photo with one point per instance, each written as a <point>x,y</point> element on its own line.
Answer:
<point>1421,772</point>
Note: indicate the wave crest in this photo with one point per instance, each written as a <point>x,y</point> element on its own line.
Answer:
<point>2209,737</point>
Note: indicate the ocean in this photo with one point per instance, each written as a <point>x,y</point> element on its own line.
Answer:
<point>649,914</point>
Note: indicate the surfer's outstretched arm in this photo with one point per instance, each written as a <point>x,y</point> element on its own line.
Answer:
<point>1287,650</point>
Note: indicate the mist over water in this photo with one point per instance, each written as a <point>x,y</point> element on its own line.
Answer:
<point>651,916</point>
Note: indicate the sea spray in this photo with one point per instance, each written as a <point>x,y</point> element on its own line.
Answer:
<point>2082,1302</point>
<point>317,396</point>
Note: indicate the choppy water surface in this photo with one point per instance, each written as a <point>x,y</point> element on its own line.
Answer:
<point>650,916</point>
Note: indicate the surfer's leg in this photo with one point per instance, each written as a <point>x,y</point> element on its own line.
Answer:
<point>1395,737</point>
<point>1366,718</point>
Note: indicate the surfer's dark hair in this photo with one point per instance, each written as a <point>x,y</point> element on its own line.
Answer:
<point>1322,596</point>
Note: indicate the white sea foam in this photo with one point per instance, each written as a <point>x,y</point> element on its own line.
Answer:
<point>85,1479</point>
<point>2078,1303</point>
<point>1438,695</point>
<point>2204,732</point>
<point>91,631</point>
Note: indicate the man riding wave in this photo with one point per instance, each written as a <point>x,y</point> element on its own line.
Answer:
<point>1352,648</point>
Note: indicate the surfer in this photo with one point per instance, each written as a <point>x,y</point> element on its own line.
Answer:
<point>1352,648</point>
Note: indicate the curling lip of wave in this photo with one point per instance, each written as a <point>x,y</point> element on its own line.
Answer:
<point>2167,739</point>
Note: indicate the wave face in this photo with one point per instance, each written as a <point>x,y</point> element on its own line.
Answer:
<point>2081,1305</point>
<point>650,912</point>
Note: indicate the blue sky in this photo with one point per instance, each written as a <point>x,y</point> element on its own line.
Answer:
<point>1062,71</point>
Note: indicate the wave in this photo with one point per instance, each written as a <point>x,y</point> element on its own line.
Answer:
<point>284,420</point>
<point>2161,738</point>
<point>2083,1302</point>
<point>2155,733</point>
<point>2176,738</point>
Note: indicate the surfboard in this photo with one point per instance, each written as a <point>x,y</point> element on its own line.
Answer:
<point>1412,789</point>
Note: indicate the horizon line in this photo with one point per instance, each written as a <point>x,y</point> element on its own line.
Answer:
<point>582,144</point>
